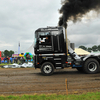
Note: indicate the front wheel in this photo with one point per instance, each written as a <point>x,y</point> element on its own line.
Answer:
<point>91,66</point>
<point>47,68</point>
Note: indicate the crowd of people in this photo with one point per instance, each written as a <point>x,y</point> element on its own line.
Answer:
<point>15,60</point>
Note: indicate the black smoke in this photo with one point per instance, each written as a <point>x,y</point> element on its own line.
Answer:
<point>73,9</point>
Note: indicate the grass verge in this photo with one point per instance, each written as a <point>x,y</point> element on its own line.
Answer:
<point>87,96</point>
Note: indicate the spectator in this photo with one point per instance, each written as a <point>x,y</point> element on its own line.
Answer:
<point>11,60</point>
<point>7,60</point>
<point>4,59</point>
<point>22,60</point>
<point>28,57</point>
<point>14,59</point>
<point>0,60</point>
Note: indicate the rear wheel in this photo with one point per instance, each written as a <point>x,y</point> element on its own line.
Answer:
<point>47,68</point>
<point>91,66</point>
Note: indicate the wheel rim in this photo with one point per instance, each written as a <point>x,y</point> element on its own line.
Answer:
<point>92,66</point>
<point>47,69</point>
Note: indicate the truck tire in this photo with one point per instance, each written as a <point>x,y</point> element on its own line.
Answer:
<point>47,68</point>
<point>91,66</point>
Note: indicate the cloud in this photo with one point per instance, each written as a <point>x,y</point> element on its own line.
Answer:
<point>87,34</point>
<point>20,18</point>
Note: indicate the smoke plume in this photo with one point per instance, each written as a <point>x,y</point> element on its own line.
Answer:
<point>75,9</point>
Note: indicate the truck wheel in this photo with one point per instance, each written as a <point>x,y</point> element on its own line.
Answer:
<point>91,66</point>
<point>47,68</point>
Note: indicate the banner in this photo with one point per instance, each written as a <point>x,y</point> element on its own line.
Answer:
<point>15,55</point>
<point>0,54</point>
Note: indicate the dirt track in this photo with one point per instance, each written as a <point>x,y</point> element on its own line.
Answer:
<point>30,81</point>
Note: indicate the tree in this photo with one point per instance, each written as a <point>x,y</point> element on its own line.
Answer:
<point>8,53</point>
<point>98,47</point>
<point>11,52</point>
<point>2,53</point>
<point>95,48</point>
<point>83,47</point>
<point>89,49</point>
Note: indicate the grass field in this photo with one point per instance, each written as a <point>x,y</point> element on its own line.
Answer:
<point>87,96</point>
<point>4,64</point>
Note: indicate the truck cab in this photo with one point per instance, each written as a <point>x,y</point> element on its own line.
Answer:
<point>49,40</point>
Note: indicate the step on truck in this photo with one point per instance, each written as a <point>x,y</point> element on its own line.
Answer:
<point>54,51</point>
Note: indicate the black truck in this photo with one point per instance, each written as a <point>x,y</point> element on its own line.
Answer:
<point>52,51</point>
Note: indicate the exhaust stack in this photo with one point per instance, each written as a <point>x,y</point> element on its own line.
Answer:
<point>66,41</point>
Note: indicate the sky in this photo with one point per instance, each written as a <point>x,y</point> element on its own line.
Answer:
<point>20,18</point>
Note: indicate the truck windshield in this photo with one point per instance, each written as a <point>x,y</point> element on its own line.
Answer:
<point>35,39</point>
<point>54,33</point>
<point>43,33</point>
<point>46,31</point>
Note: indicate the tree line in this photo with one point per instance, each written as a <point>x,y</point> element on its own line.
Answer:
<point>6,53</point>
<point>94,48</point>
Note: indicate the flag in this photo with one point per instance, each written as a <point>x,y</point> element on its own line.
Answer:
<point>19,48</point>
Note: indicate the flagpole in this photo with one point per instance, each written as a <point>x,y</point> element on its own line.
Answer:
<point>18,48</point>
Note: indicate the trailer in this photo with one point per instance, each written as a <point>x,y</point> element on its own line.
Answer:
<point>53,50</point>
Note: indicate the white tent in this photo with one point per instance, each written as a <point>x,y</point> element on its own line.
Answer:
<point>30,49</point>
<point>80,51</point>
